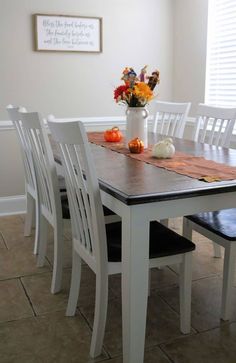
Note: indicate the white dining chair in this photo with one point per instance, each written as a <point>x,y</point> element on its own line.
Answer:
<point>214,125</point>
<point>53,206</point>
<point>31,188</point>
<point>170,118</point>
<point>110,216</point>
<point>99,245</point>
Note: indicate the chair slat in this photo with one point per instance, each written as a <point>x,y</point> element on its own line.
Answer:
<point>214,125</point>
<point>170,118</point>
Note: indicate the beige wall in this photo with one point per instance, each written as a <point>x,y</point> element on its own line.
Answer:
<point>190,38</point>
<point>76,84</point>
<point>168,34</point>
<point>11,168</point>
<point>72,84</point>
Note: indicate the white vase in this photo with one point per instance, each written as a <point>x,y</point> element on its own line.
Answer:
<point>136,124</point>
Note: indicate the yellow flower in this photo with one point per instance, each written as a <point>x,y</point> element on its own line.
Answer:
<point>142,91</point>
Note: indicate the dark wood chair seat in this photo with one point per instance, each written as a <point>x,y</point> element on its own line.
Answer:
<point>222,222</point>
<point>163,242</point>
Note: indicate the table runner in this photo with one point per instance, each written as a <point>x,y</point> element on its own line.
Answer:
<point>193,166</point>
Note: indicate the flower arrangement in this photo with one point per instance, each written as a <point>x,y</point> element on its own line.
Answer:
<point>135,92</point>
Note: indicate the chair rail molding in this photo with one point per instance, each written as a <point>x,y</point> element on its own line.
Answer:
<point>91,123</point>
<point>12,205</point>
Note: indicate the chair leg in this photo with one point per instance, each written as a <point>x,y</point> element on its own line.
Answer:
<point>165,223</point>
<point>228,280</point>
<point>217,250</point>
<point>185,286</point>
<point>30,210</point>
<point>58,258</point>
<point>43,236</point>
<point>100,315</point>
<point>149,282</point>
<point>75,284</point>
<point>187,229</point>
<point>37,227</point>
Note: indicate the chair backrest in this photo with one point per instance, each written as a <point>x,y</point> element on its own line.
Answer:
<point>88,225</point>
<point>25,148</point>
<point>214,125</point>
<point>170,118</point>
<point>45,168</point>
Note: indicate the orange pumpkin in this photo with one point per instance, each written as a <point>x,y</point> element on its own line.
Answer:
<point>113,135</point>
<point>136,146</point>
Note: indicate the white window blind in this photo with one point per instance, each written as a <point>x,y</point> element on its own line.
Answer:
<point>221,54</point>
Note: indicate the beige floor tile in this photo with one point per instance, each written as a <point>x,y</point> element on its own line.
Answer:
<point>38,290</point>
<point>2,243</point>
<point>162,323</point>
<point>159,278</point>
<point>88,286</point>
<point>49,338</point>
<point>56,338</point>
<point>7,222</point>
<point>12,229</point>
<point>176,224</point>
<point>13,302</point>
<point>206,301</point>
<point>151,356</point>
<point>204,264</point>
<point>19,261</point>
<point>216,346</point>
<point>67,252</point>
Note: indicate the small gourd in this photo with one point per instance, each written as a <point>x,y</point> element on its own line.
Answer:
<point>136,146</point>
<point>164,149</point>
<point>113,135</point>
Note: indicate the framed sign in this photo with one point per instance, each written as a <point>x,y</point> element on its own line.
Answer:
<point>68,33</point>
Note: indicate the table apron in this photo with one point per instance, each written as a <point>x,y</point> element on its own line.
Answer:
<point>172,208</point>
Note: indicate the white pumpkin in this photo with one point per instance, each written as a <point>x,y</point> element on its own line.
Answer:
<point>164,149</point>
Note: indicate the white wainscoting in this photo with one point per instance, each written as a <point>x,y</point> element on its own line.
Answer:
<point>12,205</point>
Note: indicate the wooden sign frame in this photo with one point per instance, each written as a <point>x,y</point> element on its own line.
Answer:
<point>67,33</point>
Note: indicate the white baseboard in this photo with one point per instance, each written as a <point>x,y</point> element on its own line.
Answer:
<point>12,205</point>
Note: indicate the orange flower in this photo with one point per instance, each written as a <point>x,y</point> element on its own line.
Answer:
<point>142,91</point>
<point>135,92</point>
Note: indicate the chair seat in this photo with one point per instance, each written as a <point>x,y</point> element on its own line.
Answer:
<point>222,222</point>
<point>163,242</point>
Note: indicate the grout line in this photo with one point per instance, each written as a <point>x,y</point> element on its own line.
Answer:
<point>30,302</point>
<point>4,242</point>
<point>166,354</point>
<point>27,275</point>
<point>90,327</point>
<point>50,264</point>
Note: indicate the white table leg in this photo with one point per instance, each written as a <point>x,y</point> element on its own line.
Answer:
<point>135,268</point>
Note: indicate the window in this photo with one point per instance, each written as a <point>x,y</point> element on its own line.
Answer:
<point>221,54</point>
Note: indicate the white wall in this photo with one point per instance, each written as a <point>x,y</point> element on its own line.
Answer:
<point>11,167</point>
<point>167,34</point>
<point>76,84</point>
<point>190,38</point>
<point>72,84</point>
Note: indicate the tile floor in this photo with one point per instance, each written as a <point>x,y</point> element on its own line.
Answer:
<point>33,327</point>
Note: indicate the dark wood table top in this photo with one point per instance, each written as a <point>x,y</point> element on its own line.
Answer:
<point>136,182</point>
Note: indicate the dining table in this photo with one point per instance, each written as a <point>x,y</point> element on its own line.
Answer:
<point>141,192</point>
